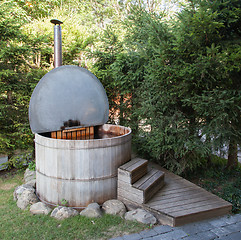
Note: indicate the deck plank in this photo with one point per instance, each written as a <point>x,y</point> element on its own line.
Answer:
<point>177,190</point>
<point>186,207</point>
<point>137,165</point>
<point>182,200</point>
<point>165,206</point>
<point>128,164</point>
<point>171,196</point>
<point>145,179</point>
<point>209,206</point>
<point>201,215</point>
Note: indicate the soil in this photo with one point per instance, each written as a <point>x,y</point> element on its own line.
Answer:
<point>7,173</point>
<point>7,186</point>
<point>4,176</point>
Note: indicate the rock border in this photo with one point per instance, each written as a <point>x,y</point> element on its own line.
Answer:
<point>26,198</point>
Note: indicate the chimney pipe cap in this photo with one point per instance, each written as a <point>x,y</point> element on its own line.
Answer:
<point>56,21</point>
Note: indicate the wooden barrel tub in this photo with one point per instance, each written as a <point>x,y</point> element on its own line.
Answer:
<point>80,172</point>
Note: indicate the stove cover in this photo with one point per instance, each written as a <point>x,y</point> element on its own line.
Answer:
<point>67,96</point>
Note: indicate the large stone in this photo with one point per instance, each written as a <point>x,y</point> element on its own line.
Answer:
<point>27,198</point>
<point>29,175</point>
<point>93,211</point>
<point>19,190</point>
<point>32,183</point>
<point>61,213</point>
<point>114,207</point>
<point>140,215</point>
<point>40,208</point>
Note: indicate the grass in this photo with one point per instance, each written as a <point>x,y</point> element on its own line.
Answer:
<point>18,224</point>
<point>221,181</point>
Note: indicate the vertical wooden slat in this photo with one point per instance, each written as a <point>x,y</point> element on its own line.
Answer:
<point>78,134</point>
<point>117,130</point>
<point>59,134</point>
<point>91,130</point>
<point>122,131</point>
<point>63,135</point>
<point>82,134</point>
<point>87,133</point>
<point>54,134</point>
<point>69,135</point>
<point>74,135</point>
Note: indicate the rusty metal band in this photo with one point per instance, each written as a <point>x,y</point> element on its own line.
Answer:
<point>113,145</point>
<point>55,205</point>
<point>80,180</point>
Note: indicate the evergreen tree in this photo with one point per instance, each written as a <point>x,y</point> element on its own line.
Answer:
<point>186,99</point>
<point>218,103</point>
<point>17,79</point>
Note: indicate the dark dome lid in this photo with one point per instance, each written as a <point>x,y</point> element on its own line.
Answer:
<point>67,96</point>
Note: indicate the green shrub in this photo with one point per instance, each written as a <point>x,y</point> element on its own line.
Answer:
<point>219,180</point>
<point>19,161</point>
<point>32,165</point>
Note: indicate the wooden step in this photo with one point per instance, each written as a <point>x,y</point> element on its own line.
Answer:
<point>133,170</point>
<point>152,182</point>
<point>179,202</point>
<point>143,189</point>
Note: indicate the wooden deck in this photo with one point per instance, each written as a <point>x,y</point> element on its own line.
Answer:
<point>180,202</point>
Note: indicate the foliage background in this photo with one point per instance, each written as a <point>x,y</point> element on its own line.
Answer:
<point>171,70</point>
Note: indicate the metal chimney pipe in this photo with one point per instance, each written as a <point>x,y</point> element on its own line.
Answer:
<point>57,42</point>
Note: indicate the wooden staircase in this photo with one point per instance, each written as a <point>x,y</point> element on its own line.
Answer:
<point>177,203</point>
<point>137,183</point>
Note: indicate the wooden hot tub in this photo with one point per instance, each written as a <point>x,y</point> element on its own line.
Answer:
<point>81,171</point>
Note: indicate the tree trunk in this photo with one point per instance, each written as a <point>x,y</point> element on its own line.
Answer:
<point>121,118</point>
<point>38,59</point>
<point>209,154</point>
<point>10,97</point>
<point>232,154</point>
